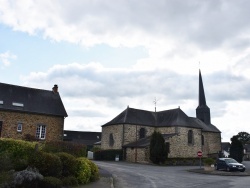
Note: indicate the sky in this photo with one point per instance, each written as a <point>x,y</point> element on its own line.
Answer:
<point>106,55</point>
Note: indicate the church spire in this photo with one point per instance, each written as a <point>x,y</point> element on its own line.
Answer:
<point>202,98</point>
<point>202,111</point>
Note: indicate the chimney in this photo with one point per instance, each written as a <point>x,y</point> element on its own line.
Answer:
<point>55,89</point>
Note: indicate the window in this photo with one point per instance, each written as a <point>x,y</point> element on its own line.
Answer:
<point>142,133</point>
<point>111,140</point>
<point>190,137</point>
<point>41,131</point>
<point>19,127</point>
<point>18,104</point>
<point>202,140</point>
<point>1,102</point>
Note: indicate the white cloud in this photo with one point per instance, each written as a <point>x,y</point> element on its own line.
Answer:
<point>6,58</point>
<point>177,36</point>
<point>93,94</point>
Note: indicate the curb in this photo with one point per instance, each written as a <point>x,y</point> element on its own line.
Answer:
<point>220,173</point>
<point>111,182</point>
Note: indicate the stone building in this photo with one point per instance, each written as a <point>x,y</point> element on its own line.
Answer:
<point>27,112</point>
<point>184,135</point>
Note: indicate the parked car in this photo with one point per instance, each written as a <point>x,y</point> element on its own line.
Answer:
<point>229,164</point>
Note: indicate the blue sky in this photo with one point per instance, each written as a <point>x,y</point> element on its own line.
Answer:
<point>106,55</point>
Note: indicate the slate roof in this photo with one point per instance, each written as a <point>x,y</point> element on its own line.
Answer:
<point>168,118</point>
<point>31,100</point>
<point>87,138</point>
<point>144,142</point>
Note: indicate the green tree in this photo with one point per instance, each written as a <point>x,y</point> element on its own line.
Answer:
<point>236,149</point>
<point>158,150</point>
<point>244,137</point>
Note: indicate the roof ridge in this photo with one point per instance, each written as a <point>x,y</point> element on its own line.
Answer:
<point>125,116</point>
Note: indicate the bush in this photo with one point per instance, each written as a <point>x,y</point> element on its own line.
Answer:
<point>83,171</point>
<point>209,161</point>
<point>18,152</point>
<point>6,178</point>
<point>5,161</point>
<point>158,149</point>
<point>94,171</point>
<point>69,163</point>
<point>108,155</point>
<point>51,182</point>
<point>70,181</point>
<point>29,177</point>
<point>48,164</point>
<point>76,149</point>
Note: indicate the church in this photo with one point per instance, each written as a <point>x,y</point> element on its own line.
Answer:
<point>184,136</point>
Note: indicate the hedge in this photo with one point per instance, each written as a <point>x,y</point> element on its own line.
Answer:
<point>76,149</point>
<point>108,155</point>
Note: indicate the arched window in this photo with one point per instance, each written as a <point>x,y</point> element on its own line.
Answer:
<point>202,140</point>
<point>142,133</point>
<point>111,140</point>
<point>190,137</point>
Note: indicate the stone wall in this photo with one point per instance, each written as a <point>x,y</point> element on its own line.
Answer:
<point>54,125</point>
<point>137,155</point>
<point>212,142</point>
<point>179,146</point>
<point>117,132</point>
<point>122,134</point>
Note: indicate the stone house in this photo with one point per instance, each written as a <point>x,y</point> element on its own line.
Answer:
<point>184,135</point>
<point>31,112</point>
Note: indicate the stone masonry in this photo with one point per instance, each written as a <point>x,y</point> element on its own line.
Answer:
<point>54,125</point>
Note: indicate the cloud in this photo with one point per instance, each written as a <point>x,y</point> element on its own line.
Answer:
<point>6,58</point>
<point>208,25</point>
<point>94,94</point>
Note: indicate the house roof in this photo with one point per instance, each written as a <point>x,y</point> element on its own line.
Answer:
<point>144,142</point>
<point>225,146</point>
<point>87,138</point>
<point>168,118</point>
<point>24,99</point>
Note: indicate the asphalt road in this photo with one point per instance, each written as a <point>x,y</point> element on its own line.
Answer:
<point>131,175</point>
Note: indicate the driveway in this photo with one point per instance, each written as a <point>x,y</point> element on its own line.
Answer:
<point>132,175</point>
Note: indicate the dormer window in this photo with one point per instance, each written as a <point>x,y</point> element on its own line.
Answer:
<point>17,104</point>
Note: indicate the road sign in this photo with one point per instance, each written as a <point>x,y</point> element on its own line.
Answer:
<point>199,153</point>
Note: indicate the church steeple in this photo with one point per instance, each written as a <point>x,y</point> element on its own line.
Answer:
<point>202,111</point>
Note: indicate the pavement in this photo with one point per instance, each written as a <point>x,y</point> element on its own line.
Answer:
<point>105,181</point>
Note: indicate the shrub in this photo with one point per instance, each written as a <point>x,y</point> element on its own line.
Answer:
<point>209,161</point>
<point>70,181</point>
<point>6,178</point>
<point>83,171</point>
<point>76,149</point>
<point>51,182</point>
<point>29,177</point>
<point>108,155</point>
<point>18,152</point>
<point>5,161</point>
<point>158,150</point>
<point>94,171</point>
<point>48,164</point>
<point>69,163</point>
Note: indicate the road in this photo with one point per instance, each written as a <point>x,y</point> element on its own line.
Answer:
<point>132,175</point>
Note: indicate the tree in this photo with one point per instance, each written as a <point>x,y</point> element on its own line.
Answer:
<point>236,149</point>
<point>158,150</point>
<point>244,137</point>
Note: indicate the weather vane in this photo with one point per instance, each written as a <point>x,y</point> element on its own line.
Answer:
<point>155,101</point>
